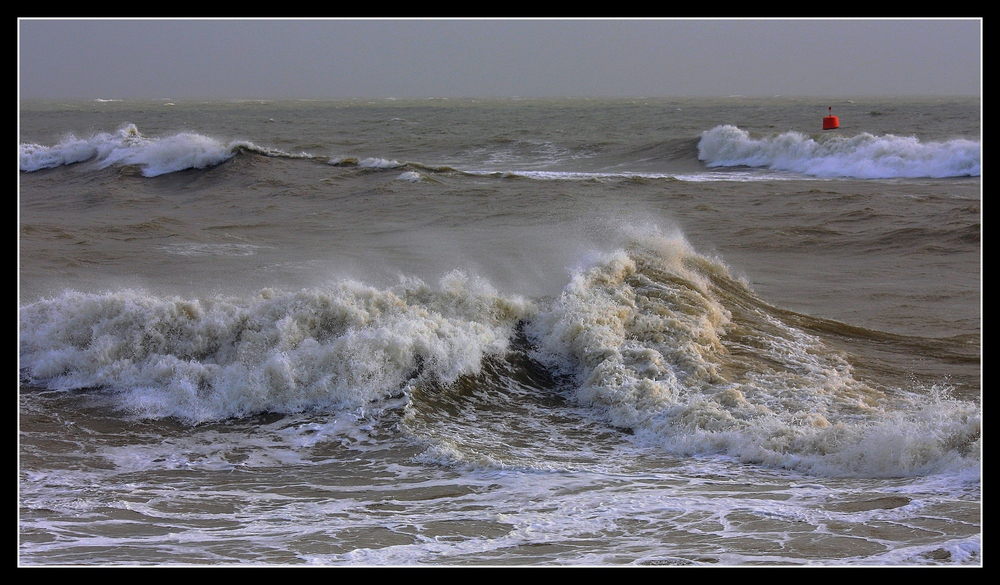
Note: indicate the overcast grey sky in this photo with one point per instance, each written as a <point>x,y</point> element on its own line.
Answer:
<point>274,59</point>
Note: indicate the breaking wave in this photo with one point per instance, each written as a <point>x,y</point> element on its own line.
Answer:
<point>864,156</point>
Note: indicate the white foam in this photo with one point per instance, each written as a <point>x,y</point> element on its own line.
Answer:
<point>70,150</point>
<point>410,177</point>
<point>648,340</point>
<point>208,359</point>
<point>154,156</point>
<point>379,163</point>
<point>863,156</point>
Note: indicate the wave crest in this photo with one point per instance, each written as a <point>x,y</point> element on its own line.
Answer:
<point>127,147</point>
<point>211,359</point>
<point>663,341</point>
<point>864,156</point>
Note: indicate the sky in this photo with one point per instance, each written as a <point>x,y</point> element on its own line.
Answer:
<point>418,58</point>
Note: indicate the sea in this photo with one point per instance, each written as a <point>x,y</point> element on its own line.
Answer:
<point>687,332</point>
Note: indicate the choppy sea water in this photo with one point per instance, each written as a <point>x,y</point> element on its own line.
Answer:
<point>508,332</point>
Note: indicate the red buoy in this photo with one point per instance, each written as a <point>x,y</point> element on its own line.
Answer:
<point>831,122</point>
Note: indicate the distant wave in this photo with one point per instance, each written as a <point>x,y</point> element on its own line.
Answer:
<point>371,163</point>
<point>153,156</point>
<point>379,163</point>
<point>863,156</point>
<point>623,176</point>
